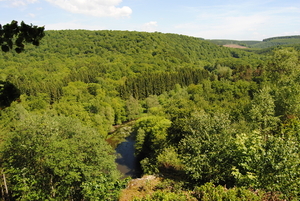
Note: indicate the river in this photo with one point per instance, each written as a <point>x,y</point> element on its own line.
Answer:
<point>123,142</point>
<point>126,161</point>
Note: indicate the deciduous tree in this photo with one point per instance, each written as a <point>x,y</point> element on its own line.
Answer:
<point>47,158</point>
<point>13,36</point>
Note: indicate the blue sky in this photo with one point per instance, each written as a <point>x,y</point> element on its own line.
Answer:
<point>212,19</point>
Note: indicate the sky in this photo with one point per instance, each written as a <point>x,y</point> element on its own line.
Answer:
<point>209,19</point>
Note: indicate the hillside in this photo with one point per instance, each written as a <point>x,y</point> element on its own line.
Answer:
<point>265,43</point>
<point>235,42</point>
<point>202,121</point>
<point>116,54</point>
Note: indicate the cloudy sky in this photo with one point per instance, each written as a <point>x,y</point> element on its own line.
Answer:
<point>209,19</point>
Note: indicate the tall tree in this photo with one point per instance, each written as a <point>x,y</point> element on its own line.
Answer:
<point>13,36</point>
<point>57,158</point>
<point>283,71</point>
<point>262,111</point>
<point>205,149</point>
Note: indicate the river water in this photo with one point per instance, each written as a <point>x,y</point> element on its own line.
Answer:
<point>126,161</point>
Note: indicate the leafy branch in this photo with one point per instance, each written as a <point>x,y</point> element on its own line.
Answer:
<point>13,36</point>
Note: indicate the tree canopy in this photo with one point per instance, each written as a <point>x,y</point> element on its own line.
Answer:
<point>211,121</point>
<point>13,36</point>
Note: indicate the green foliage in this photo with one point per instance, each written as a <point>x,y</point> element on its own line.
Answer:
<point>149,166</point>
<point>49,157</point>
<point>103,189</point>
<point>150,134</point>
<point>276,41</point>
<point>203,113</point>
<point>282,37</point>
<point>119,109</point>
<point>166,196</point>
<point>206,150</point>
<point>15,35</point>
<point>226,42</point>
<point>283,72</point>
<point>90,104</point>
<point>265,43</point>
<point>268,164</point>
<point>169,158</point>
<point>280,169</point>
<point>262,111</point>
<point>248,149</point>
<point>283,65</point>
<point>223,72</point>
<point>133,108</point>
<point>38,104</point>
<point>209,192</point>
<point>156,83</point>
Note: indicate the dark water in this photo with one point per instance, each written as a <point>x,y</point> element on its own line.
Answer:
<point>126,161</point>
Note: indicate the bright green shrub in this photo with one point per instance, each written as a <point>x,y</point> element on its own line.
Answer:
<point>210,192</point>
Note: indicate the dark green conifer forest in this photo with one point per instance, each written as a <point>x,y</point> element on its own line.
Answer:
<point>211,122</point>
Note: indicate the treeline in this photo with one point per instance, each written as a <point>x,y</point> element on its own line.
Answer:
<point>281,37</point>
<point>245,43</point>
<point>265,43</point>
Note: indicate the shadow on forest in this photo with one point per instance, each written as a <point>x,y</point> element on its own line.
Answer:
<point>8,93</point>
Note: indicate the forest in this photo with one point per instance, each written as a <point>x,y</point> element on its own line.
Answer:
<point>209,122</point>
<point>265,43</point>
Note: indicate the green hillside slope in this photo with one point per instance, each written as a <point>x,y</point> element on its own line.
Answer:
<point>266,43</point>
<point>80,55</point>
<point>245,43</point>
<point>276,41</point>
<point>210,122</point>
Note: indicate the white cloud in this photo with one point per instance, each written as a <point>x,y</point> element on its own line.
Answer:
<point>99,8</point>
<point>31,15</point>
<point>242,22</point>
<point>150,26</point>
<point>21,2</point>
<point>226,26</point>
<point>73,25</point>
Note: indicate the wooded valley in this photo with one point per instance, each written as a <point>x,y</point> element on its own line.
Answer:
<point>210,122</point>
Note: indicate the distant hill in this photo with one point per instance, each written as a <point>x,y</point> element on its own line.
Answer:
<point>224,42</point>
<point>265,43</point>
<point>275,41</point>
<point>282,37</point>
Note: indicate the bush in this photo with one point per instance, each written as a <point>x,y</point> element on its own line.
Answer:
<point>209,191</point>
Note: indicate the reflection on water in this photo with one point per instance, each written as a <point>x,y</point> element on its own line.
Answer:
<point>126,161</point>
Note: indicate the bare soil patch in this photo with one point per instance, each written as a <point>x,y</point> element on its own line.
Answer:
<point>235,46</point>
<point>140,188</point>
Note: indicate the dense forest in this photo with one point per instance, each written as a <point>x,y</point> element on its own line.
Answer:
<point>265,43</point>
<point>209,122</point>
